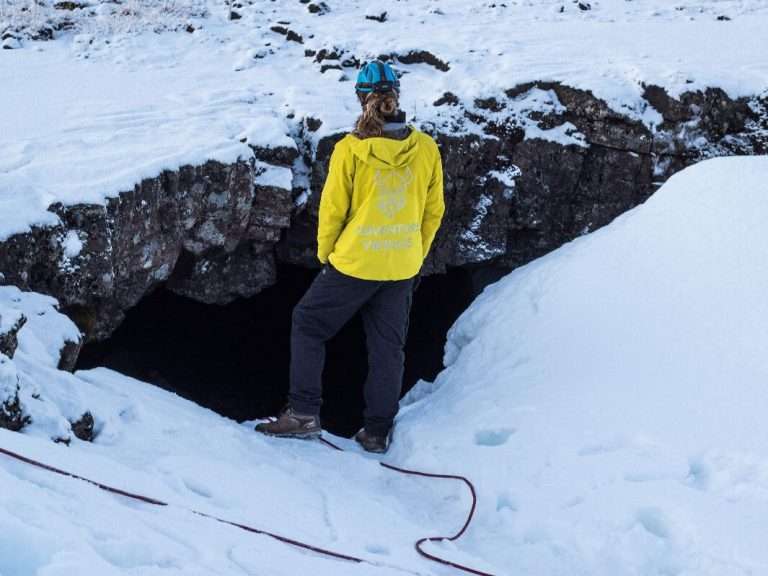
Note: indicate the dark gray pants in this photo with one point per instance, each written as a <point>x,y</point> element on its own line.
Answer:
<point>332,299</point>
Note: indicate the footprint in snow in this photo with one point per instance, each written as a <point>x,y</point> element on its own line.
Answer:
<point>506,501</point>
<point>654,521</point>
<point>197,488</point>
<point>493,436</point>
<point>377,549</point>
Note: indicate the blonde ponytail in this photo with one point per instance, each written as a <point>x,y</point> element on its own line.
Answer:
<point>376,105</point>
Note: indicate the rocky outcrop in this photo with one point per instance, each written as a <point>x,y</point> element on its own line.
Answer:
<point>213,232</point>
<point>12,415</point>
<point>9,338</point>
<point>197,228</point>
<point>69,353</point>
<point>83,427</point>
<point>565,190</point>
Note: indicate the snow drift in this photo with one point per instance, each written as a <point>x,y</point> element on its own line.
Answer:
<point>610,397</point>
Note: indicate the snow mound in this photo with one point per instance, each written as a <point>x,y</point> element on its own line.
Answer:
<point>610,398</point>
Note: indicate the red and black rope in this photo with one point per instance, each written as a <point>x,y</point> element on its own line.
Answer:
<point>279,537</point>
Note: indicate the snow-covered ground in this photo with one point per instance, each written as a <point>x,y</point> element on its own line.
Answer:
<point>111,101</point>
<point>608,400</point>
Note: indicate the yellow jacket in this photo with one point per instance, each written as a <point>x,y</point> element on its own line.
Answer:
<point>381,206</point>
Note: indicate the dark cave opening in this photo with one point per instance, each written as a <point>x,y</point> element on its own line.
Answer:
<point>234,358</point>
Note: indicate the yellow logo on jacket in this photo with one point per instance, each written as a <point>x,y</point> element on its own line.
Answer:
<point>390,189</point>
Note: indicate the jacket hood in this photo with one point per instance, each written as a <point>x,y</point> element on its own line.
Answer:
<point>386,153</point>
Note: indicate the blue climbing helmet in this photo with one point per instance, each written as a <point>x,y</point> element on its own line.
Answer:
<point>377,76</point>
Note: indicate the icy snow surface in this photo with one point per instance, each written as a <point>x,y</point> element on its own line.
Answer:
<point>608,400</point>
<point>90,114</point>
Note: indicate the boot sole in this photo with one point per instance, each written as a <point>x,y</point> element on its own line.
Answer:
<point>371,450</point>
<point>299,435</point>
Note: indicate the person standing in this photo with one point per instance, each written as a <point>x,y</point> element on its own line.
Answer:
<point>380,208</point>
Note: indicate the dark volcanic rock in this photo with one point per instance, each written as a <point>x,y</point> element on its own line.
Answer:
<point>594,118</point>
<point>68,355</point>
<point>325,67</point>
<point>218,277</point>
<point>9,340</point>
<point>318,8</point>
<point>313,124</point>
<point>418,57</point>
<point>67,5</point>
<point>326,54</point>
<point>133,244</point>
<point>12,415</point>
<point>382,17</point>
<point>280,155</point>
<point>82,428</point>
<point>447,98</point>
<point>289,34</point>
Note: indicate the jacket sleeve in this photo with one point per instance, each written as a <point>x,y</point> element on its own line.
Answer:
<point>434,206</point>
<point>334,200</point>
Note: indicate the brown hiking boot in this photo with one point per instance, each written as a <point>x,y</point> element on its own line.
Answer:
<point>371,442</point>
<point>292,425</point>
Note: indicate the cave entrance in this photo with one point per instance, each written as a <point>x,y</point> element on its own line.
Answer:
<point>234,358</point>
